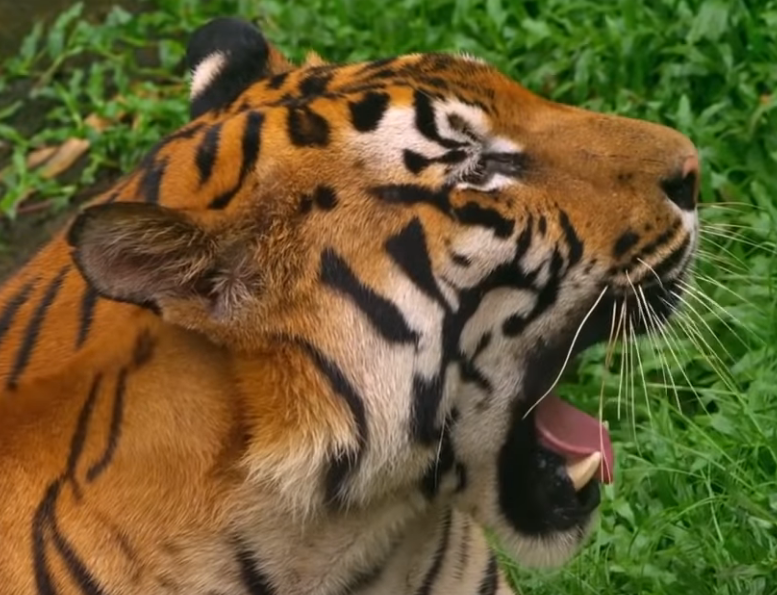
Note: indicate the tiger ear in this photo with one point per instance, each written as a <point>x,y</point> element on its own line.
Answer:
<point>314,59</point>
<point>226,56</point>
<point>148,254</point>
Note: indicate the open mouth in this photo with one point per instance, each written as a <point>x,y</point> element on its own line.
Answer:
<point>581,439</point>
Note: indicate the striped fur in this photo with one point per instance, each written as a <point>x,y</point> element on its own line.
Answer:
<point>295,350</point>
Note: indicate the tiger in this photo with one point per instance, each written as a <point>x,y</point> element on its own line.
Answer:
<point>310,344</point>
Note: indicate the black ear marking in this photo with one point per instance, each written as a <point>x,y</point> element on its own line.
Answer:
<point>225,56</point>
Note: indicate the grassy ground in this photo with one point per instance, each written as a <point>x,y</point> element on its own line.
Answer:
<point>693,413</point>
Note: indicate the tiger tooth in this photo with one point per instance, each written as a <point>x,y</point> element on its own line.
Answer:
<point>581,472</point>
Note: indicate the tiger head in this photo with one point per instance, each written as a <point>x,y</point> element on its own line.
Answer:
<point>437,241</point>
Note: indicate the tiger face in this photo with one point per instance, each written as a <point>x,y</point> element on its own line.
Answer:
<point>439,240</point>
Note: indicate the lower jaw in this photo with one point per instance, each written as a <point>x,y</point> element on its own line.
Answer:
<point>581,439</point>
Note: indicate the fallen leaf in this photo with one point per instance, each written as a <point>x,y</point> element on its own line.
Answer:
<point>64,157</point>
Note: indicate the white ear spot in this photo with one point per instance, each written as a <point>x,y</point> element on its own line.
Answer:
<point>204,73</point>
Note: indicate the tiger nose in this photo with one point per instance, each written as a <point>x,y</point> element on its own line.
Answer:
<point>682,187</point>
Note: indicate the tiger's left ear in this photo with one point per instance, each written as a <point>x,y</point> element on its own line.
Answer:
<point>225,57</point>
<point>148,255</point>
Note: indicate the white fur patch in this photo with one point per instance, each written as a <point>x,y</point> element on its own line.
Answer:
<point>204,73</point>
<point>501,144</point>
<point>396,133</point>
<point>495,182</point>
<point>484,251</point>
<point>690,220</point>
<point>474,117</point>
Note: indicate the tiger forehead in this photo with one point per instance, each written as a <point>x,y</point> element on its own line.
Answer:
<point>439,75</point>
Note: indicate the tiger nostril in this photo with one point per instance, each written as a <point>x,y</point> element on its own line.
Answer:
<point>683,188</point>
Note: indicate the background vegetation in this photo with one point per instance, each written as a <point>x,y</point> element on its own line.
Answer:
<point>694,412</point>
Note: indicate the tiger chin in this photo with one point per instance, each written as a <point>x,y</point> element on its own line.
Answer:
<point>309,345</point>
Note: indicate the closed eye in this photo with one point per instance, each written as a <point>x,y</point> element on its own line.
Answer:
<point>492,165</point>
<point>508,164</point>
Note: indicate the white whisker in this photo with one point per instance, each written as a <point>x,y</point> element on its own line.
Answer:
<point>569,353</point>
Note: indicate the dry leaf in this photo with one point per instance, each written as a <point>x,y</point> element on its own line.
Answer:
<point>38,156</point>
<point>65,156</point>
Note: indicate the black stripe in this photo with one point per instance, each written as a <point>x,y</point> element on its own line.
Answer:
<point>315,84</point>
<point>672,260</point>
<point>416,162</point>
<point>251,146</point>
<point>514,325</point>
<point>387,319</point>
<point>306,128</point>
<point>465,536</point>
<point>12,307</point>
<point>373,65</point>
<point>251,142</point>
<point>543,225</point>
<point>425,121</point>
<point>343,464</point>
<point>367,113</point>
<point>144,348</point>
<point>79,435</point>
<point>490,580</point>
<point>151,183</point>
<point>254,580</point>
<point>662,239</point>
<point>77,569</point>
<point>186,132</point>
<point>408,249</point>
<point>367,577</point>
<point>572,239</point>
<point>427,395</point>
<point>207,152</point>
<point>75,566</point>
<point>115,430</point>
<point>461,260</point>
<point>41,522</point>
<point>88,305</point>
<point>411,194</point>
<point>625,242</point>
<point>434,570</point>
<point>276,82</point>
<point>473,214</point>
<point>44,520</point>
<point>470,373</point>
<point>33,328</point>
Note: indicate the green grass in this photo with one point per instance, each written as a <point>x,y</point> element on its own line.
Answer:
<point>694,508</point>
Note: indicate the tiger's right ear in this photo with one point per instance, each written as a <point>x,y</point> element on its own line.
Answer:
<point>147,254</point>
<point>225,57</point>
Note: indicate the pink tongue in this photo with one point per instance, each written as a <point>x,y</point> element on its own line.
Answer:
<point>573,434</point>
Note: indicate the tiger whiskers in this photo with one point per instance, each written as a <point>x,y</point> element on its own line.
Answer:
<point>643,320</point>
<point>622,376</point>
<point>722,232</point>
<point>653,330</point>
<point>715,309</point>
<point>612,337</point>
<point>569,352</point>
